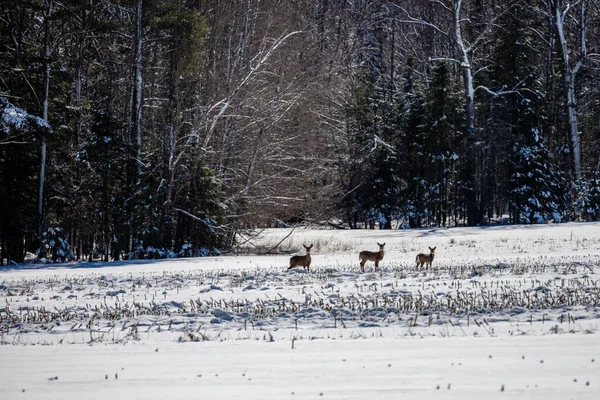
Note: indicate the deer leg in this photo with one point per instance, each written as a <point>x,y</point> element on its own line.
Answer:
<point>376,265</point>
<point>362,266</point>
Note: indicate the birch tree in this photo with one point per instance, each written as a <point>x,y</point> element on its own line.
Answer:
<point>572,62</point>
<point>464,57</point>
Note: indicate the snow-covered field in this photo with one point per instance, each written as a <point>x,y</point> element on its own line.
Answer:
<point>505,311</point>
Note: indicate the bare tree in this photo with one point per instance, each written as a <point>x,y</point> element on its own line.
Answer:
<point>559,11</point>
<point>453,29</point>
<point>249,133</point>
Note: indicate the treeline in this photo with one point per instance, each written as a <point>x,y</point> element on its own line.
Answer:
<point>462,112</point>
<point>157,128</point>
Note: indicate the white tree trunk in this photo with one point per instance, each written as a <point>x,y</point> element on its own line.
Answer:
<point>465,64</point>
<point>44,115</point>
<point>467,72</point>
<point>569,75</point>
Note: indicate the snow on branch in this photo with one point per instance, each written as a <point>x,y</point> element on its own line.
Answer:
<point>15,118</point>
<point>377,140</point>
<point>442,59</point>
<point>206,221</point>
<point>502,92</point>
<point>498,93</point>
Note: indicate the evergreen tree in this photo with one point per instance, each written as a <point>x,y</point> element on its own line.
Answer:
<point>438,146</point>
<point>19,132</point>
<point>516,115</point>
<point>588,201</point>
<point>377,163</point>
<point>539,192</point>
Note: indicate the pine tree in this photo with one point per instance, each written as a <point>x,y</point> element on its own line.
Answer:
<point>19,163</point>
<point>516,126</point>
<point>439,145</point>
<point>539,192</point>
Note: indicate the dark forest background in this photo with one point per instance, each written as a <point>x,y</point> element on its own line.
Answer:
<point>158,128</point>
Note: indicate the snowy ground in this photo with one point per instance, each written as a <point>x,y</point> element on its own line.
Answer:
<point>511,310</point>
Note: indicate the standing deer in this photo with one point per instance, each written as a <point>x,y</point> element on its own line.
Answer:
<point>375,256</point>
<point>301,261</point>
<point>426,258</point>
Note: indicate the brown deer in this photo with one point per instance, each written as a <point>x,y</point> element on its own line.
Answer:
<point>426,258</point>
<point>375,256</point>
<point>301,261</point>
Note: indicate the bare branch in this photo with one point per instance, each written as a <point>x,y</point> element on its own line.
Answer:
<point>443,5</point>
<point>377,140</point>
<point>12,142</point>
<point>412,20</point>
<point>226,102</point>
<point>195,218</point>
<point>489,27</point>
<point>499,93</point>
<point>454,60</point>
<point>569,8</point>
<point>277,245</point>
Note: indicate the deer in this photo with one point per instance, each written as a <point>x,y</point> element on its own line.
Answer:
<point>301,261</point>
<point>375,256</point>
<point>425,258</point>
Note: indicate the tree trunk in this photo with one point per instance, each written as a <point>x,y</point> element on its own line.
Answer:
<point>473,216</point>
<point>569,84</point>
<point>78,125</point>
<point>136,116</point>
<point>134,139</point>
<point>46,57</point>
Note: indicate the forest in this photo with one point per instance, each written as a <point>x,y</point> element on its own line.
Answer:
<point>164,128</point>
